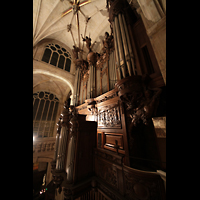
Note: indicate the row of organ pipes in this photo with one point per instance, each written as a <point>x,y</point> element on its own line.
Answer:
<point>123,49</point>
<point>66,142</point>
<point>122,60</point>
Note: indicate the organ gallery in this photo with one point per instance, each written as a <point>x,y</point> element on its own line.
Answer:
<point>99,99</point>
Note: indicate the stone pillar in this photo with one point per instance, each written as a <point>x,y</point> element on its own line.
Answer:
<point>153,14</point>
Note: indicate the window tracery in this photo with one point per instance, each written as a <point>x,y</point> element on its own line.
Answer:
<point>45,107</point>
<point>57,56</point>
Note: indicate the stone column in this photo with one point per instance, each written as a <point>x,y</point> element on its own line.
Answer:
<point>153,14</point>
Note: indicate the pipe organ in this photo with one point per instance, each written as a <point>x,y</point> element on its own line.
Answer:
<point>106,143</point>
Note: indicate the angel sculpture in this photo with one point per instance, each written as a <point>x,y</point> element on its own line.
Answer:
<point>88,42</point>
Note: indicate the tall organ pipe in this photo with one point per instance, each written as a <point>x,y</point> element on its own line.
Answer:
<point>63,138</point>
<point>119,42</point>
<point>116,51</point>
<point>127,56</point>
<point>129,45</point>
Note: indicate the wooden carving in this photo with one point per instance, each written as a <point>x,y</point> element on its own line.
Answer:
<point>115,7</point>
<point>141,102</point>
<point>109,118</point>
<point>107,172</point>
<point>108,43</point>
<point>92,58</point>
<point>141,185</point>
<point>88,42</point>
<point>147,107</point>
<point>75,51</point>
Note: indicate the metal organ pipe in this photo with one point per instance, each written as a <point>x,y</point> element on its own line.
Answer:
<point>71,147</point>
<point>116,51</point>
<point>127,56</point>
<point>120,48</point>
<point>78,85</point>
<point>56,147</point>
<point>62,148</point>
<point>94,78</point>
<point>129,45</point>
<point>63,138</point>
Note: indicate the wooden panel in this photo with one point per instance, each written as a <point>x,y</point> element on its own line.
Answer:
<point>99,139</point>
<point>86,138</point>
<point>110,140</point>
<point>109,118</point>
<point>121,182</point>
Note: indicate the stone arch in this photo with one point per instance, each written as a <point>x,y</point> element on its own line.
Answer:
<point>55,76</point>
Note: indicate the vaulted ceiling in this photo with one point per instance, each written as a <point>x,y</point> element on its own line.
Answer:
<point>50,24</point>
<point>48,21</point>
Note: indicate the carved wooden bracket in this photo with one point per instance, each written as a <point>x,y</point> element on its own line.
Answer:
<point>91,106</point>
<point>140,100</point>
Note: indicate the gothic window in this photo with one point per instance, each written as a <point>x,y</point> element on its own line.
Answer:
<point>57,56</point>
<point>45,107</point>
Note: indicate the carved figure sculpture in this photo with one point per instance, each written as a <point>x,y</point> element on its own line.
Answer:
<point>108,42</point>
<point>146,108</point>
<point>141,101</point>
<point>88,42</point>
<point>75,51</point>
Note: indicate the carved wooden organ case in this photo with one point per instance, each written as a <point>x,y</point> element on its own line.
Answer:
<point>117,93</point>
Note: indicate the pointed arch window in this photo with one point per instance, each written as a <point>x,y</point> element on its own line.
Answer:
<point>45,108</point>
<point>57,56</point>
